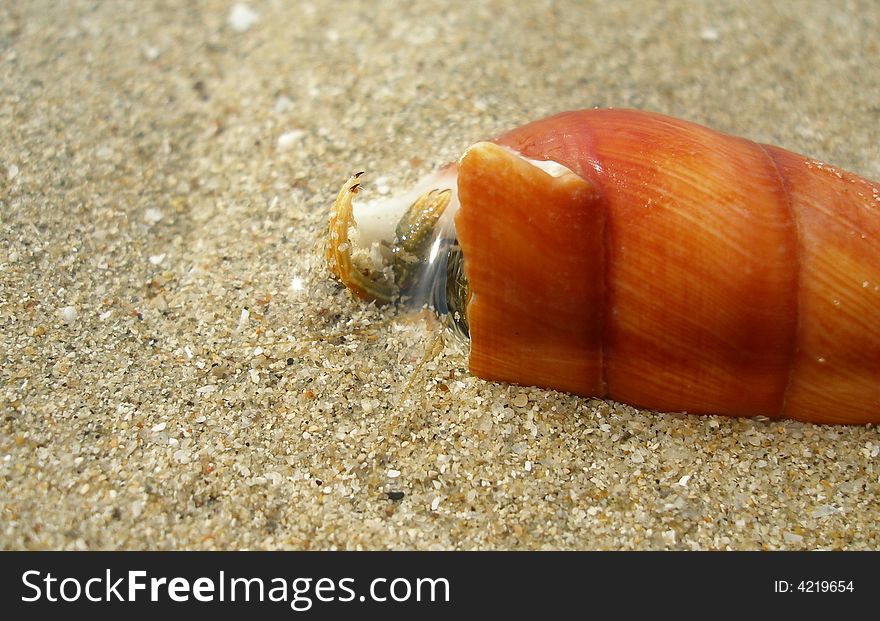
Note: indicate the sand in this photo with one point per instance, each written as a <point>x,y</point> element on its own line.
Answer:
<point>180,371</point>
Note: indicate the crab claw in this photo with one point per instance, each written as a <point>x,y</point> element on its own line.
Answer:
<point>366,283</point>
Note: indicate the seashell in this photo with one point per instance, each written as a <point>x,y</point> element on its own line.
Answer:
<point>632,256</point>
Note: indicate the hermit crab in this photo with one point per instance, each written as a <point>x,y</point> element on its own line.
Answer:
<point>632,256</point>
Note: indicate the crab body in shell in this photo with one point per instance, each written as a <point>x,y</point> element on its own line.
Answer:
<point>632,256</point>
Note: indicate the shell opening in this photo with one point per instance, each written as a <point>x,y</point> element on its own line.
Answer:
<point>395,249</point>
<point>403,249</point>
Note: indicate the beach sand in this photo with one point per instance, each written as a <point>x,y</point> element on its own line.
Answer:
<point>180,371</point>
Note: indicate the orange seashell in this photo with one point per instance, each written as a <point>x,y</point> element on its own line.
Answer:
<point>671,267</point>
